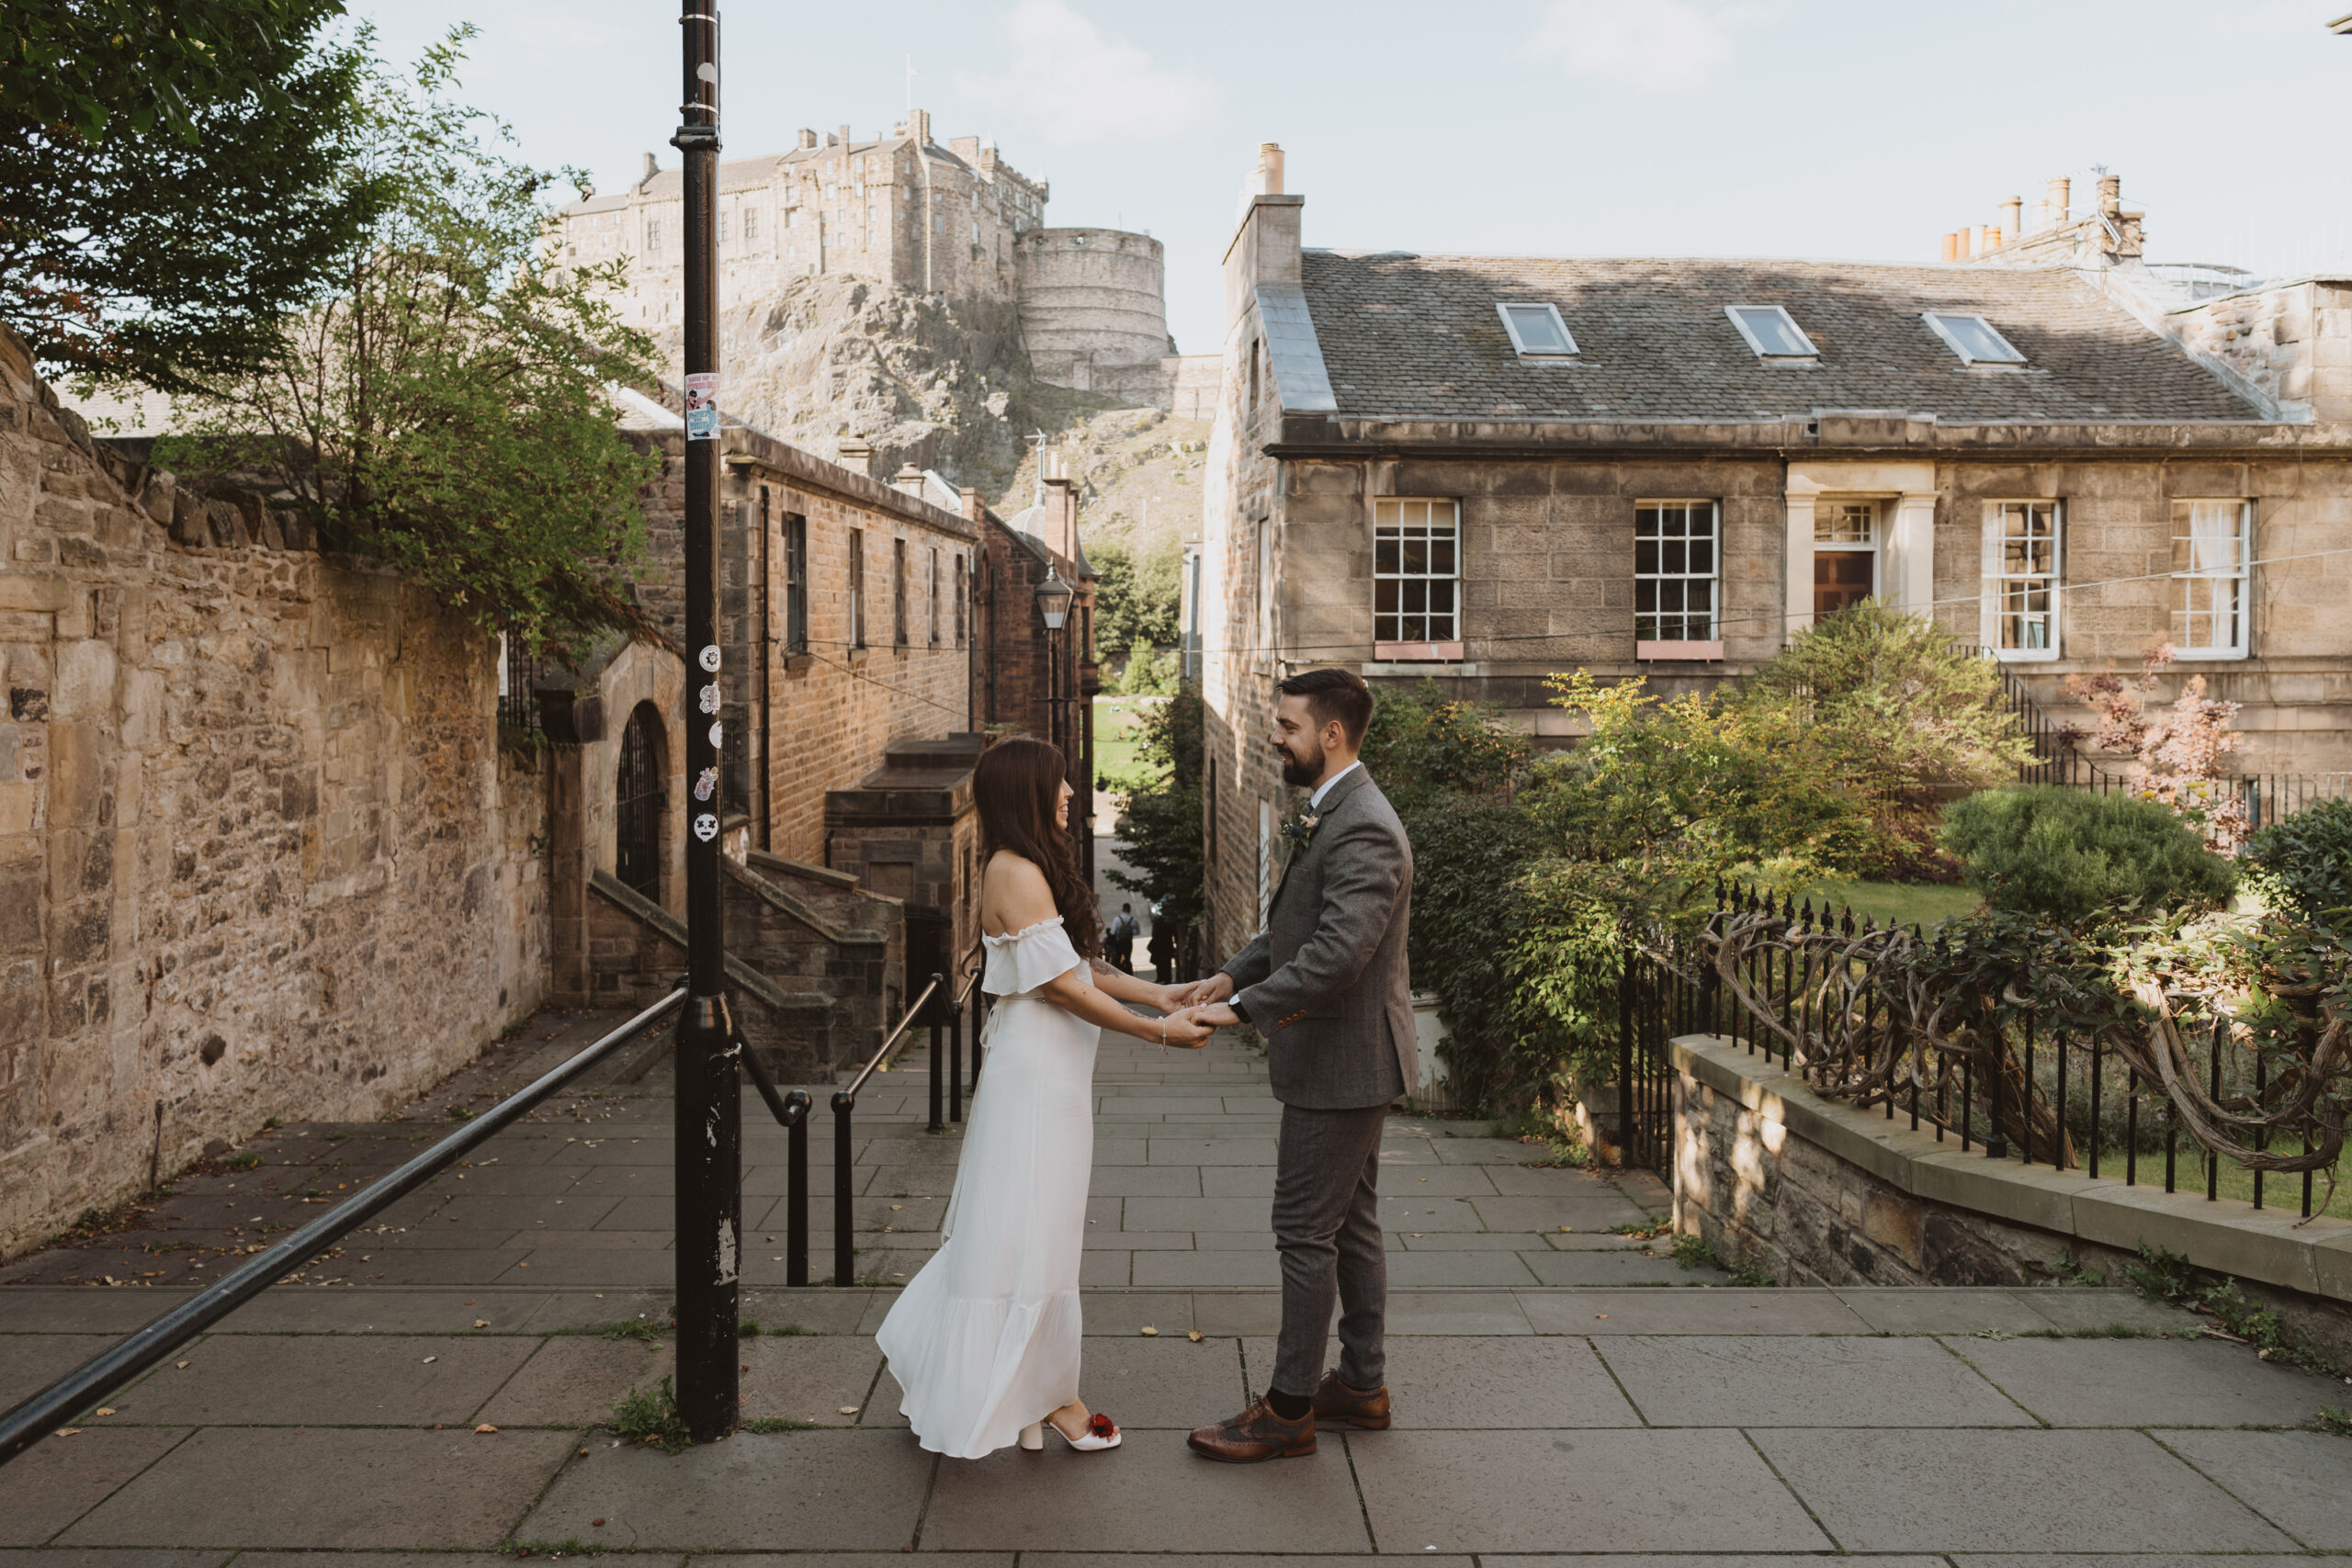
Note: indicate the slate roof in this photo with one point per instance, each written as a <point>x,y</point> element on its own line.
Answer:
<point>1416,336</point>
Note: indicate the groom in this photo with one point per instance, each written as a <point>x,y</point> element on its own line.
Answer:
<point>1326,984</point>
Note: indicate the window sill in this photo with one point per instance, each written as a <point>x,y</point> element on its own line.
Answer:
<point>2208,655</point>
<point>1712,652</point>
<point>799,663</point>
<point>1417,652</point>
<point>2026,654</point>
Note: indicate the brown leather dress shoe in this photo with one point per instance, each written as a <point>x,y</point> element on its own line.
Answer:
<point>1335,1401</point>
<point>1256,1433</point>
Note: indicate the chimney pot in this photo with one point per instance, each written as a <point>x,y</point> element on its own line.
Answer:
<point>856,455</point>
<point>2111,193</point>
<point>1270,168</point>
<point>2060,194</point>
<point>1951,247</point>
<point>909,479</point>
<point>2012,216</point>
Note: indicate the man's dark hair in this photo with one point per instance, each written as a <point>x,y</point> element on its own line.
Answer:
<point>1330,694</point>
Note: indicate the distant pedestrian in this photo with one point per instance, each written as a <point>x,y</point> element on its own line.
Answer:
<point>1119,941</point>
<point>1162,947</point>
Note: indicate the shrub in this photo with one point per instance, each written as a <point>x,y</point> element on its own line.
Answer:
<point>1160,830</point>
<point>1468,857</point>
<point>1424,745</point>
<point>2065,854</point>
<point>2304,863</point>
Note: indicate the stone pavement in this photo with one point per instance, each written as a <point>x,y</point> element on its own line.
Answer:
<point>1553,1399</point>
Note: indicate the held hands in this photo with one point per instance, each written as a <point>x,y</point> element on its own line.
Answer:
<point>1199,993</point>
<point>1185,1028</point>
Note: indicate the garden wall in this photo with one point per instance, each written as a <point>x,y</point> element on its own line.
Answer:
<point>1818,1194</point>
<point>260,853</point>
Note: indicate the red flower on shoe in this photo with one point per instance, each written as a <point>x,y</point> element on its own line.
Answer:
<point>1101,1425</point>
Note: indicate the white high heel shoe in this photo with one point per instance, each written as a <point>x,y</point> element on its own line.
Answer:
<point>1101,1432</point>
<point>1032,1437</point>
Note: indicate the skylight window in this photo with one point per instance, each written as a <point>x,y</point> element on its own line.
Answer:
<point>1537,331</point>
<point>1770,333</point>
<point>1972,338</point>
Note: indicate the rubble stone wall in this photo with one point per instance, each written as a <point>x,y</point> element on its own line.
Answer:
<point>260,853</point>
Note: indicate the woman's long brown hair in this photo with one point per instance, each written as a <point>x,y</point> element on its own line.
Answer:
<point>1015,784</point>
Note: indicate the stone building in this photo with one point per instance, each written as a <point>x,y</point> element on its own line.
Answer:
<point>951,219</point>
<point>283,837</point>
<point>1486,470</point>
<point>262,852</point>
<point>866,656</point>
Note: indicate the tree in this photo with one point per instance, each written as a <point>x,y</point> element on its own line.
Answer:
<point>172,179</point>
<point>1138,596</point>
<point>1899,715</point>
<point>1160,830</point>
<point>447,410</point>
<point>2177,754</point>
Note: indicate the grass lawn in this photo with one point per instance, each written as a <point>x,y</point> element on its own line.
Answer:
<point>1115,748</point>
<point>1902,903</point>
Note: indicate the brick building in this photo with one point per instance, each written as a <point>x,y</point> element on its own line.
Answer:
<point>872,635</point>
<point>1485,469</point>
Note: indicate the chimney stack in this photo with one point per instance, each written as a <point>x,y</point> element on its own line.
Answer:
<point>1059,527</point>
<point>1269,169</point>
<point>844,138</point>
<point>1952,248</point>
<point>808,139</point>
<point>856,455</point>
<point>2060,194</point>
<point>908,480</point>
<point>652,167</point>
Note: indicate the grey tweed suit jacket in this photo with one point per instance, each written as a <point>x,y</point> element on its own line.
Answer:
<point>1326,982</point>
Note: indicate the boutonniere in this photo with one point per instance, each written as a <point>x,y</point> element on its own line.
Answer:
<point>1300,828</point>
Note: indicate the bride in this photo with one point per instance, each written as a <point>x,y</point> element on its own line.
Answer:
<point>985,1340</point>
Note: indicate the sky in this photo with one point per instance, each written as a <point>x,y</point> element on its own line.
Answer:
<point>1846,128</point>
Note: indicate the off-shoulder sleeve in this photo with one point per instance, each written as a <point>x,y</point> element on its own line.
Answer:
<point>1028,958</point>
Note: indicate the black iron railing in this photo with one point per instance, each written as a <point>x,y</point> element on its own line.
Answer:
<point>94,1380</point>
<point>518,706</point>
<point>2024,1090</point>
<point>931,1006</point>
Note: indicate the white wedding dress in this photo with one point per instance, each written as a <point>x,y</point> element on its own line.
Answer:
<point>985,1338</point>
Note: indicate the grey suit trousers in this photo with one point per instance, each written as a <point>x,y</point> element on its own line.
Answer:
<point>1326,1229</point>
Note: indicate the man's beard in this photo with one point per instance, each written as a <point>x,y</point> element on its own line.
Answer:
<point>1302,775</point>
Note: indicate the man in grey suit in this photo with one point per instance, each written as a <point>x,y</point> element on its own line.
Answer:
<point>1326,984</point>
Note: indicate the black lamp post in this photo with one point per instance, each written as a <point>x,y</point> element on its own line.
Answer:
<point>1053,603</point>
<point>709,1151</point>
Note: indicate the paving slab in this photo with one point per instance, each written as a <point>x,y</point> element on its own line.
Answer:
<point>31,1362</point>
<point>1481,1151</point>
<point>1167,1383</point>
<point>74,1309</point>
<point>68,1557</point>
<point>1600,1267</point>
<point>1466,1266</point>
<point>1211,1151</point>
<point>1943,1309</point>
<point>1190,1269</point>
<point>1197,1215</point>
<point>1549,1212</point>
<point>1237,1312</point>
<point>1237,1181</point>
<point>2302,1481</point>
<point>1721,1311</point>
<point>1150,1493</point>
<point>1425,1214</point>
<point>2116,1560</point>
<point>342,1380</point>
<point>1593,1491</point>
<point>58,1480</point>
<point>1761,1560</point>
<point>1457,1311</point>
<point>357,1488</point>
<point>384,1310</point>
<point>2149,1383</point>
<point>811,1377</point>
<point>1755,1380</point>
<point>846,1492</point>
<point>1151,1180</point>
<point>1892,1490</point>
<point>1439,1382</point>
<point>2078,1307</point>
<point>572,1379</point>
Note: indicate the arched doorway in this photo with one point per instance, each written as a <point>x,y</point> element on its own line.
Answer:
<point>637,804</point>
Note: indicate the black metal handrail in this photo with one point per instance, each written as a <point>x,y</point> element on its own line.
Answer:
<point>791,1113</point>
<point>33,1418</point>
<point>844,1104</point>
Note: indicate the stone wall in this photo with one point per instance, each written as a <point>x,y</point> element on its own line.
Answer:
<point>260,853</point>
<point>2291,345</point>
<point>1814,1192</point>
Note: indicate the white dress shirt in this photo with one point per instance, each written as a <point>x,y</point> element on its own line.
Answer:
<point>1314,801</point>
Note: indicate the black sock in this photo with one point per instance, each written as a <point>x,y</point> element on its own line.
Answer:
<point>1290,1407</point>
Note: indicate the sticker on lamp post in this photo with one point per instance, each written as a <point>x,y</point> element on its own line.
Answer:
<point>709,697</point>
<point>716,744</point>
<point>701,410</point>
<point>706,783</point>
<point>707,826</point>
<point>709,659</point>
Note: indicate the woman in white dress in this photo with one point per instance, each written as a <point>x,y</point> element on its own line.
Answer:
<point>985,1340</point>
